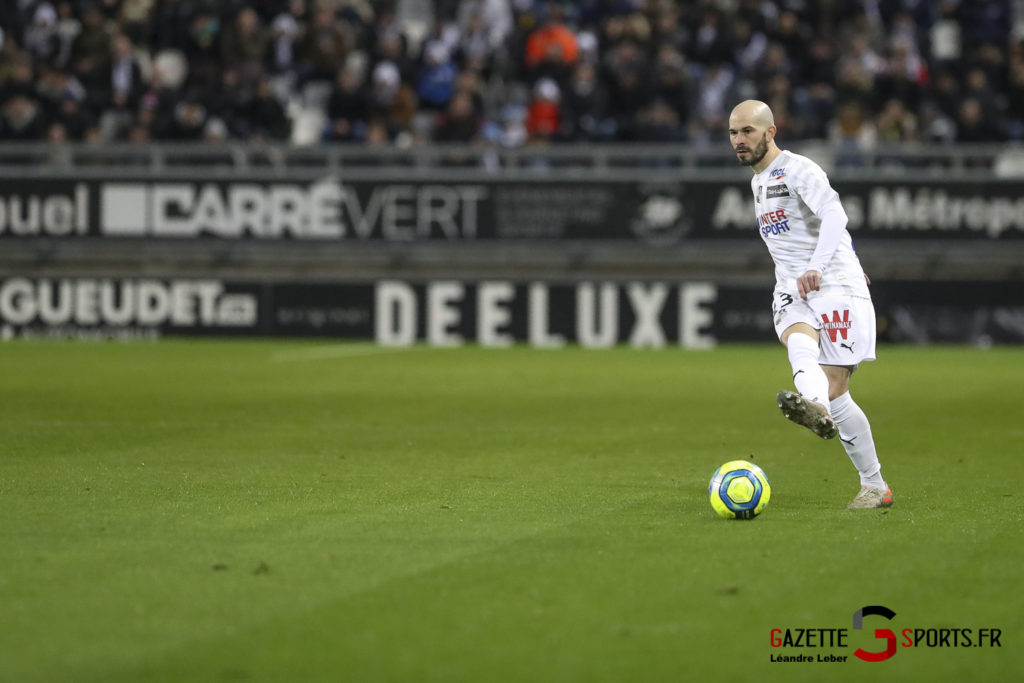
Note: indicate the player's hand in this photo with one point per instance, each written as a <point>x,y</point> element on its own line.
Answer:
<point>868,279</point>
<point>808,282</point>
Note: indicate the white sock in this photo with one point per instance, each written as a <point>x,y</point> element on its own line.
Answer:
<point>809,378</point>
<point>855,434</point>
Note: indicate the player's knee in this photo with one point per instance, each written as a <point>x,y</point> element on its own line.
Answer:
<point>838,380</point>
<point>837,386</point>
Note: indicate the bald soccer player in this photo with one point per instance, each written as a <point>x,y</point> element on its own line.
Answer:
<point>821,306</point>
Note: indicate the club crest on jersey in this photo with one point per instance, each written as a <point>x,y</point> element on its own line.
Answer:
<point>775,191</point>
<point>837,327</point>
<point>778,174</point>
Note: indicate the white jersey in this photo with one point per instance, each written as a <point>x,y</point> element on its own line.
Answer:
<point>788,197</point>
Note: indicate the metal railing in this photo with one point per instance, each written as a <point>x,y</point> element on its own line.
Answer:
<point>576,160</point>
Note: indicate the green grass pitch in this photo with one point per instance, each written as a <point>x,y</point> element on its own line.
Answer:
<point>289,511</point>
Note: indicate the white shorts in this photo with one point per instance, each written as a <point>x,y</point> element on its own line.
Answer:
<point>845,325</point>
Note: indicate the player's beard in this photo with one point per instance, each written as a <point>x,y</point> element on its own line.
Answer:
<point>757,153</point>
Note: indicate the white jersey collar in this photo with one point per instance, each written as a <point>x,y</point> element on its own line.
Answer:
<point>772,166</point>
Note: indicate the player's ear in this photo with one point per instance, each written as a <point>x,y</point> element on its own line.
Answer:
<point>771,132</point>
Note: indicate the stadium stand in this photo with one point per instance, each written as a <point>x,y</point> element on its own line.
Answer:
<point>856,73</point>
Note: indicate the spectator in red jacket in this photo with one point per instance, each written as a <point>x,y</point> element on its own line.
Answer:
<point>552,44</point>
<point>543,118</point>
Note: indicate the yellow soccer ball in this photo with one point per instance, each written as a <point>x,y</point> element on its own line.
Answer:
<point>739,490</point>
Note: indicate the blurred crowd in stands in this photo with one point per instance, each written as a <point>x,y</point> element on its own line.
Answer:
<point>509,72</point>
